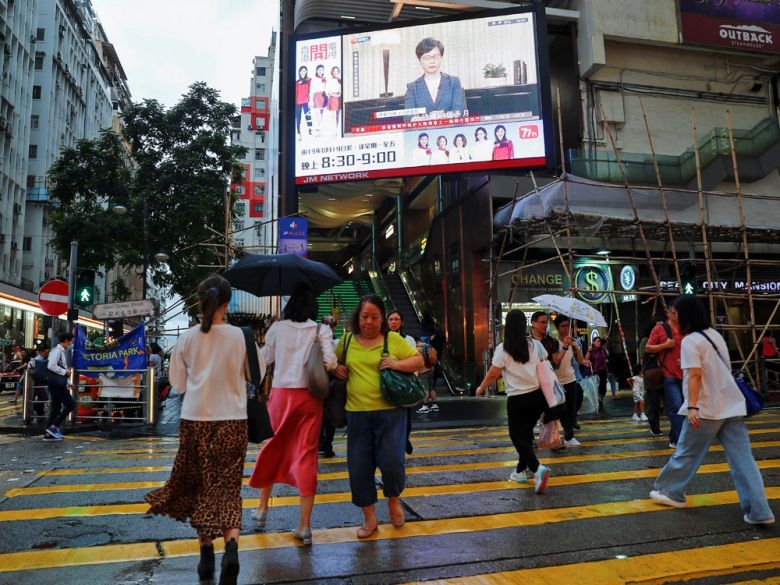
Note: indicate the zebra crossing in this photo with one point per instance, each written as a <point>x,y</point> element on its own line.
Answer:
<point>73,512</point>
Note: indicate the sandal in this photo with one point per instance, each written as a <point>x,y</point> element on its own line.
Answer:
<point>366,531</point>
<point>304,536</point>
<point>259,517</point>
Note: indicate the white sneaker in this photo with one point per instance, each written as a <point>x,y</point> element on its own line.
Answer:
<point>433,407</point>
<point>521,477</point>
<point>758,522</point>
<point>643,417</point>
<point>423,409</point>
<point>540,479</point>
<point>572,443</point>
<point>636,418</point>
<point>665,500</point>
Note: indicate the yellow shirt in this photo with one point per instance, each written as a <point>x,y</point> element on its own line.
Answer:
<point>363,384</point>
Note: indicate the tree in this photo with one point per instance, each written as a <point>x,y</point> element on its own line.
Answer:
<point>172,166</point>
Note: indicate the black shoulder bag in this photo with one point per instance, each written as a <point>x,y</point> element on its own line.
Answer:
<point>335,402</point>
<point>258,421</point>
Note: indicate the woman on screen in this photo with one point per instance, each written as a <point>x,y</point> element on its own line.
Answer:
<point>459,152</point>
<point>440,156</point>
<point>319,99</point>
<point>503,149</point>
<point>302,88</point>
<point>483,148</point>
<point>333,92</point>
<point>440,94</point>
<point>422,154</point>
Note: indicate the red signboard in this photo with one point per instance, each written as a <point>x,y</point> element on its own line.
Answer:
<point>751,25</point>
<point>53,297</point>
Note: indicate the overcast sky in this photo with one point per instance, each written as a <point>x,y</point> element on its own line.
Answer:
<point>165,46</point>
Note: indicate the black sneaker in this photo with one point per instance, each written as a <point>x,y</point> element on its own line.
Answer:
<point>655,433</point>
<point>328,454</point>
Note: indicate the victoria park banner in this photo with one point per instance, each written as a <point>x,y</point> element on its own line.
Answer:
<point>122,356</point>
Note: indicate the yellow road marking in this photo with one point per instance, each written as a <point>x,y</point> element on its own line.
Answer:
<point>56,558</point>
<point>341,497</point>
<point>134,485</point>
<point>560,458</point>
<point>681,565</point>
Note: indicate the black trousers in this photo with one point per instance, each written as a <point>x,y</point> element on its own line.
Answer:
<point>523,410</point>
<point>653,398</point>
<point>61,405</point>
<point>569,414</point>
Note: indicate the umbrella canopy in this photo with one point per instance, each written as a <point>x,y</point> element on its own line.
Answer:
<point>571,307</point>
<point>278,274</point>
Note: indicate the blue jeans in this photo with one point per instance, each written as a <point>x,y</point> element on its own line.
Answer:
<point>673,399</point>
<point>691,451</point>
<point>376,438</point>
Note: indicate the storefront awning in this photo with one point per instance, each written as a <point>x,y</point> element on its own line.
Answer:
<point>606,210</point>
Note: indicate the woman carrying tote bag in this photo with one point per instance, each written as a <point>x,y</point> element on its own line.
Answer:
<point>516,359</point>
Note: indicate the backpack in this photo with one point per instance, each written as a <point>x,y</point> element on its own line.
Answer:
<point>651,363</point>
<point>40,371</point>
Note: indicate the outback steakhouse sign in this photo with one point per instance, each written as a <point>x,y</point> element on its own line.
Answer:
<point>748,25</point>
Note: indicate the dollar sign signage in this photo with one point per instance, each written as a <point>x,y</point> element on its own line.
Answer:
<point>591,281</point>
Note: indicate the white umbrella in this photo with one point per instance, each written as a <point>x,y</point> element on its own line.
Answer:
<point>571,307</point>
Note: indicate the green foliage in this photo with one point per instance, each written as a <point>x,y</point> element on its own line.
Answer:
<point>174,167</point>
<point>491,71</point>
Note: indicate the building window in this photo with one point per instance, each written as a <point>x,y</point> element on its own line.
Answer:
<point>260,104</point>
<point>258,207</point>
<point>36,92</point>
<point>38,61</point>
<point>259,172</point>
<point>34,121</point>
<point>259,189</point>
<point>40,34</point>
<point>26,244</point>
<point>239,189</point>
<point>240,208</point>
<point>260,71</point>
<point>261,87</point>
<point>33,151</point>
<point>259,154</point>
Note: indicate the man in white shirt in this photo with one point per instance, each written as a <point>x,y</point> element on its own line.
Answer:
<point>62,402</point>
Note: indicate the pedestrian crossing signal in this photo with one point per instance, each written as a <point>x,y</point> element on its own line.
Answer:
<point>689,285</point>
<point>85,288</point>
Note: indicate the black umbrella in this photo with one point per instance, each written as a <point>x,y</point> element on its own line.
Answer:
<point>278,274</point>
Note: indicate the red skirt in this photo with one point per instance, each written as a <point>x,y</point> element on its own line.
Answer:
<point>290,456</point>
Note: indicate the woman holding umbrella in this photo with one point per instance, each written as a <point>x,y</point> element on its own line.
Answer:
<point>290,456</point>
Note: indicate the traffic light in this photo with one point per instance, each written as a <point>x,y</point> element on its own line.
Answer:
<point>689,285</point>
<point>85,288</point>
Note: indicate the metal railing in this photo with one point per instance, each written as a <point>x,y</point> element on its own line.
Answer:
<point>98,398</point>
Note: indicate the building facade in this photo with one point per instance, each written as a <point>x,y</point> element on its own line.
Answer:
<point>62,81</point>
<point>643,100</point>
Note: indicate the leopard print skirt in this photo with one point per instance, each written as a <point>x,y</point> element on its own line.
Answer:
<point>206,479</point>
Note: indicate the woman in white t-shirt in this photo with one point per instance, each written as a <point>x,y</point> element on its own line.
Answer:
<point>516,359</point>
<point>714,409</point>
<point>208,368</point>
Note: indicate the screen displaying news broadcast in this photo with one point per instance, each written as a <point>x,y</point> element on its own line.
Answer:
<point>431,98</point>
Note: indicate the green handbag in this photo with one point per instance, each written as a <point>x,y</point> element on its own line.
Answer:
<point>400,388</point>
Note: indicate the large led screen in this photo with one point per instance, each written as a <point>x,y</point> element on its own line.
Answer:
<point>438,97</point>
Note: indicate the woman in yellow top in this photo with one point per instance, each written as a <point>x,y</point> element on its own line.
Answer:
<point>377,429</point>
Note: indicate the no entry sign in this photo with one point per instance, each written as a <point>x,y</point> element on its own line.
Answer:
<point>53,297</point>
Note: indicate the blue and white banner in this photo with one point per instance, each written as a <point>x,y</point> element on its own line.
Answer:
<point>126,353</point>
